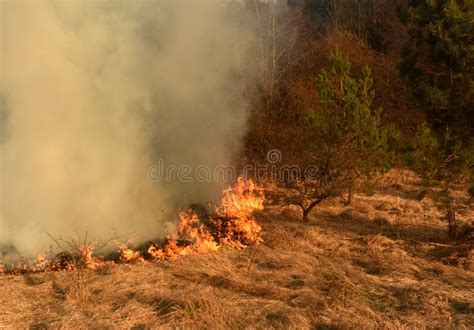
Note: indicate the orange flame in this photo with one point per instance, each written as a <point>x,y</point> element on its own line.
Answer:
<point>190,231</point>
<point>238,204</point>
<point>232,223</point>
<point>127,255</point>
<point>88,260</point>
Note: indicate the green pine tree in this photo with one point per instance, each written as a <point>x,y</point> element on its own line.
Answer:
<point>347,141</point>
<point>438,63</point>
<point>438,66</point>
<point>347,128</point>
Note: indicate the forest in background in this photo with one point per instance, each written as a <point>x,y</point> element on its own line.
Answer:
<point>358,87</point>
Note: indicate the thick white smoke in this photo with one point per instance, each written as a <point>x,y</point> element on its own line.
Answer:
<point>93,93</point>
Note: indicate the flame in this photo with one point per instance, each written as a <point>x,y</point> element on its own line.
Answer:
<point>232,223</point>
<point>241,200</point>
<point>192,233</point>
<point>42,262</point>
<point>87,259</point>
<point>237,206</point>
<point>127,255</point>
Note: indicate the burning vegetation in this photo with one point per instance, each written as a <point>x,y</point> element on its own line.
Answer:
<point>231,223</point>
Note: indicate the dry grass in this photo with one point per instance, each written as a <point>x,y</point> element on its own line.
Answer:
<point>385,261</point>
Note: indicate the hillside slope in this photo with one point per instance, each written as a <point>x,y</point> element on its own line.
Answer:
<point>383,261</point>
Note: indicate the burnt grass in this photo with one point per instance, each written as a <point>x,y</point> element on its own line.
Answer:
<point>357,266</point>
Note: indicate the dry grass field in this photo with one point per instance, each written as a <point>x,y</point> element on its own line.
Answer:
<point>385,261</point>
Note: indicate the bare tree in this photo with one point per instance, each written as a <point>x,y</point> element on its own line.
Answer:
<point>278,29</point>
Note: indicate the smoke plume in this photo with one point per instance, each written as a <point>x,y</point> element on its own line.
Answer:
<point>93,93</point>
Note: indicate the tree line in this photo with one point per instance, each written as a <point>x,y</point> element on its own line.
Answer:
<point>357,87</point>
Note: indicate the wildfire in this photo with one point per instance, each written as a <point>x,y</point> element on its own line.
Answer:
<point>192,233</point>
<point>41,263</point>
<point>232,223</point>
<point>127,255</point>
<point>88,260</point>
